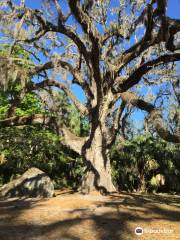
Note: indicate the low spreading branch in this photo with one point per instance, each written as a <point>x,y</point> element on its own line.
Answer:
<point>26,120</point>
<point>72,141</point>
<point>69,139</point>
<point>154,115</point>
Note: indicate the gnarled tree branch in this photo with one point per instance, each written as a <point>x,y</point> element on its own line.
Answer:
<point>72,141</point>
<point>53,83</point>
<point>78,78</point>
<point>154,114</point>
<point>69,139</point>
<point>86,23</point>
<point>26,120</point>
<point>136,76</point>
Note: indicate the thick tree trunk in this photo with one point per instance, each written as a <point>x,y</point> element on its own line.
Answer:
<point>98,172</point>
<point>93,149</point>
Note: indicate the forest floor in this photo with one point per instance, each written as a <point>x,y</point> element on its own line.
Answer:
<point>72,216</point>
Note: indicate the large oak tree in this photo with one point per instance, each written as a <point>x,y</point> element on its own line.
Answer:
<point>110,49</point>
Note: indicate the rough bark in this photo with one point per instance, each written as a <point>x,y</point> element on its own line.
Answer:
<point>93,149</point>
<point>98,172</point>
<point>154,114</point>
<point>73,142</point>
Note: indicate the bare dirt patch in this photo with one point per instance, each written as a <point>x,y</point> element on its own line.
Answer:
<point>72,216</point>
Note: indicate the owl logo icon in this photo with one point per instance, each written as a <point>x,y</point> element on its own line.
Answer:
<point>138,231</point>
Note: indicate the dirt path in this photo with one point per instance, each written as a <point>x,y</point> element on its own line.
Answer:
<point>78,217</point>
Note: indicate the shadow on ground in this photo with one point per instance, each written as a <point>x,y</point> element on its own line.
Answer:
<point>109,218</point>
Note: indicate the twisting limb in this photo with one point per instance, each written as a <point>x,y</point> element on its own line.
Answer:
<point>61,16</point>
<point>84,20</point>
<point>147,41</point>
<point>53,83</point>
<point>169,27</point>
<point>120,110</point>
<point>45,26</point>
<point>136,76</point>
<point>78,78</point>
<point>72,141</point>
<point>86,23</point>
<point>27,120</point>
<point>154,115</point>
<point>116,123</point>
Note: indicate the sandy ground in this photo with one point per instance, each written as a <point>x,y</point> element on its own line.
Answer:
<point>71,216</point>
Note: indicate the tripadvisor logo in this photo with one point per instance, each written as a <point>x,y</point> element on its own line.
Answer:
<point>138,231</point>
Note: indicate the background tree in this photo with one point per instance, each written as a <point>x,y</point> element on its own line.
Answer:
<point>110,50</point>
<point>139,164</point>
<point>33,146</point>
